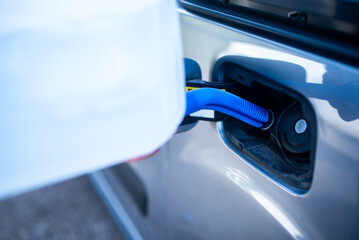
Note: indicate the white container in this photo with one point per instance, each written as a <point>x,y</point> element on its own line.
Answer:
<point>85,85</point>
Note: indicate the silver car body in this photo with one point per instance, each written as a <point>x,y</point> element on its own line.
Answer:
<point>200,188</point>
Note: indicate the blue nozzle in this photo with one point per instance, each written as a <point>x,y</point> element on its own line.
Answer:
<point>227,103</point>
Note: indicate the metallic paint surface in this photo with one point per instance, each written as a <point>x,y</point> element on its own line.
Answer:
<point>209,191</point>
<point>330,209</point>
<point>228,198</point>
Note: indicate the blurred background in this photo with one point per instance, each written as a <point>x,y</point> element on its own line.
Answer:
<point>69,210</point>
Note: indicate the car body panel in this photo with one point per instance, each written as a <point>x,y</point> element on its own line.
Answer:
<point>210,191</point>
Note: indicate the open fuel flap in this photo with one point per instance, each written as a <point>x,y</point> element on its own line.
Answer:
<point>285,151</point>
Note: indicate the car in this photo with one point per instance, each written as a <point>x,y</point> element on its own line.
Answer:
<point>223,179</point>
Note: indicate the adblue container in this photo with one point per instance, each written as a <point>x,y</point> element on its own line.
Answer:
<point>85,85</point>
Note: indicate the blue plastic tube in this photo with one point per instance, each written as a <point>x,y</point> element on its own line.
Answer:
<point>227,103</point>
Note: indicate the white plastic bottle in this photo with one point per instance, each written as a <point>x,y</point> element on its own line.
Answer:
<point>85,85</point>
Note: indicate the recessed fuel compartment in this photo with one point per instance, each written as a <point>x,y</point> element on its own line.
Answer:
<point>285,152</point>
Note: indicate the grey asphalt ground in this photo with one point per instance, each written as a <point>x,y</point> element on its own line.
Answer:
<point>67,211</point>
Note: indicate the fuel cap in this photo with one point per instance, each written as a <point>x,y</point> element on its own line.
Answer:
<point>295,131</point>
